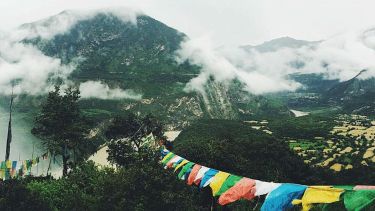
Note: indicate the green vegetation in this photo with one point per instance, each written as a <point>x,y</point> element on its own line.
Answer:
<point>307,144</point>
<point>140,182</point>
<point>129,146</point>
<point>61,126</point>
<point>142,58</point>
<point>302,127</point>
<point>143,187</point>
<point>235,147</point>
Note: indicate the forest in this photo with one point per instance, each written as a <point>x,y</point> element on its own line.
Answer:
<point>139,181</point>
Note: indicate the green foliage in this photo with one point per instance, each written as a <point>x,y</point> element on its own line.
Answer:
<point>237,148</point>
<point>307,144</point>
<point>128,143</point>
<point>143,187</point>
<point>61,125</point>
<point>305,127</point>
<point>61,194</point>
<point>14,195</point>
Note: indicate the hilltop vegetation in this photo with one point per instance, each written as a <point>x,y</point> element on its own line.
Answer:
<point>235,147</point>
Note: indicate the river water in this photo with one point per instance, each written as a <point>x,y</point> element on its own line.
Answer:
<point>24,145</point>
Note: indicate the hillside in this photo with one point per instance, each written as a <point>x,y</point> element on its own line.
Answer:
<point>355,95</point>
<point>279,43</point>
<point>141,56</point>
<point>119,52</point>
<point>235,147</point>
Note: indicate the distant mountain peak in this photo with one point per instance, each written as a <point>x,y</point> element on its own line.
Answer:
<point>360,74</point>
<point>62,22</point>
<point>279,43</point>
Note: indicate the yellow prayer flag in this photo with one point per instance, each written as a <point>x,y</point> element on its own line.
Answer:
<point>181,164</point>
<point>318,195</point>
<point>8,164</point>
<point>218,181</point>
<point>166,157</point>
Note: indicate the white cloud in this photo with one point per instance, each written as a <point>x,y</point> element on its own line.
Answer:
<point>340,57</point>
<point>226,65</point>
<point>231,22</point>
<point>64,21</point>
<point>99,90</point>
<point>29,67</point>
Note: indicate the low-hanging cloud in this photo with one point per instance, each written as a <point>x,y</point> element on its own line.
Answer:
<point>99,90</point>
<point>32,72</point>
<point>225,65</point>
<point>63,22</point>
<point>27,68</point>
<point>340,57</point>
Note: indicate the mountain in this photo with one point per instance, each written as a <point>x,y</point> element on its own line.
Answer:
<point>355,95</point>
<point>124,53</point>
<point>313,83</point>
<point>140,55</point>
<point>279,43</point>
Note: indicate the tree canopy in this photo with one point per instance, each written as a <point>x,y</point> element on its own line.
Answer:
<point>130,139</point>
<point>61,125</point>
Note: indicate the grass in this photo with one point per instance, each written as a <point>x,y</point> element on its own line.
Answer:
<point>307,144</point>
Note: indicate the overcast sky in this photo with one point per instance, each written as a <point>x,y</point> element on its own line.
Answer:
<point>227,22</point>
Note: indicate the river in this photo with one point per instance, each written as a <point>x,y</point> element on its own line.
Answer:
<point>299,113</point>
<point>24,145</point>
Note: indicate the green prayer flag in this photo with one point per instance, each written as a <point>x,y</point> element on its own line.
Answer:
<point>229,182</point>
<point>357,200</point>
<point>185,169</point>
<point>167,158</point>
<point>3,165</point>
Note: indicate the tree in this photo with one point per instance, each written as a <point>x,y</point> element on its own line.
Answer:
<point>128,143</point>
<point>146,186</point>
<point>14,195</point>
<point>61,125</point>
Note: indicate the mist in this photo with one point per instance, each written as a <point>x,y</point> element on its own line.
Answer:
<point>99,90</point>
<point>339,57</point>
<point>24,69</point>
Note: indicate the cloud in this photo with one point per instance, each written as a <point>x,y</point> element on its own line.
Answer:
<point>64,21</point>
<point>97,89</point>
<point>28,67</point>
<point>340,57</point>
<point>34,72</point>
<point>226,65</point>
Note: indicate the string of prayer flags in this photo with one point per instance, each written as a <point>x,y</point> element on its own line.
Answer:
<point>280,196</point>
<point>13,169</point>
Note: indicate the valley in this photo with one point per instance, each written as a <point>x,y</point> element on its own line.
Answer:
<point>349,143</point>
<point>107,93</point>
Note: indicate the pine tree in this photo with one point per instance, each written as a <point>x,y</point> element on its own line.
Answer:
<point>60,124</point>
